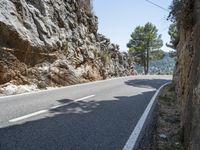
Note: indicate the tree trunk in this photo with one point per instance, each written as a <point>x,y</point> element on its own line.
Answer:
<point>148,51</point>
<point>145,63</point>
<point>147,60</point>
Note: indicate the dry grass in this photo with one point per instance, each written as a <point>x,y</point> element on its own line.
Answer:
<point>87,6</point>
<point>168,131</point>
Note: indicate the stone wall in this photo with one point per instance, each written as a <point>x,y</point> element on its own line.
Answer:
<point>55,42</point>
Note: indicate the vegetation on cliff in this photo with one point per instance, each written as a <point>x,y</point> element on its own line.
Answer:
<point>174,36</point>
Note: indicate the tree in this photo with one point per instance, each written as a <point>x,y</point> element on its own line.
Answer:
<point>157,55</point>
<point>176,9</point>
<point>143,40</point>
<point>175,16</point>
<point>174,36</point>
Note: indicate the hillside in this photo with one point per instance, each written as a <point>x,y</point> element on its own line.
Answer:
<point>163,66</point>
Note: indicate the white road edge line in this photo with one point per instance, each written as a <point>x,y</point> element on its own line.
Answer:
<point>46,110</point>
<point>130,144</point>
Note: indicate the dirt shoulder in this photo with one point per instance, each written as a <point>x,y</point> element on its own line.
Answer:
<point>167,135</point>
<point>164,130</point>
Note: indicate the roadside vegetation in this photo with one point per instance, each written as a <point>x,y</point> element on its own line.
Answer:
<point>105,57</point>
<point>145,44</point>
<point>144,40</point>
<point>174,36</point>
<point>145,50</point>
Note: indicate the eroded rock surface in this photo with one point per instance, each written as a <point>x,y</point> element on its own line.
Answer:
<point>54,43</point>
<point>187,75</point>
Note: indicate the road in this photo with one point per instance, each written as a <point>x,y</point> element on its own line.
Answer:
<point>93,116</point>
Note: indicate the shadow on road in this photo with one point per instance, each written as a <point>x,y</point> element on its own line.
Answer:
<point>148,83</point>
<point>82,125</point>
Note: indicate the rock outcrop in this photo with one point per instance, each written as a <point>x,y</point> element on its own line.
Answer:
<point>55,43</point>
<point>187,74</point>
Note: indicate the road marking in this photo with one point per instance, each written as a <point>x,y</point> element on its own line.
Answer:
<point>130,144</point>
<point>46,110</point>
<point>6,97</point>
<point>28,116</point>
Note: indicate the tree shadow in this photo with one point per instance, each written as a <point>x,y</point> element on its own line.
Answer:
<point>83,125</point>
<point>147,83</point>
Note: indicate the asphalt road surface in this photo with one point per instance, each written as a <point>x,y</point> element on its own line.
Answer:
<point>93,116</point>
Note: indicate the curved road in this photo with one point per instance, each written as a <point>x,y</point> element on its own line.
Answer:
<point>93,116</point>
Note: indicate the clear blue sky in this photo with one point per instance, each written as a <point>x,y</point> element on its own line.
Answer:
<point>118,18</point>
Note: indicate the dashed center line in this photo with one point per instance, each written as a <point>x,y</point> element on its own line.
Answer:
<point>46,110</point>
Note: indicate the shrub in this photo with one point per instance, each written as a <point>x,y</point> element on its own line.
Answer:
<point>105,58</point>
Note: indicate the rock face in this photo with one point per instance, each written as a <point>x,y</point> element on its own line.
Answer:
<point>55,42</point>
<point>187,75</point>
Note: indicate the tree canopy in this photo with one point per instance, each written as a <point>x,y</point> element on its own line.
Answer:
<point>143,40</point>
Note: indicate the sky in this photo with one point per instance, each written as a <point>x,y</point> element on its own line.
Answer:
<point>118,19</point>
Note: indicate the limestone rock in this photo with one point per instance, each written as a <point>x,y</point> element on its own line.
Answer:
<point>187,75</point>
<point>55,43</point>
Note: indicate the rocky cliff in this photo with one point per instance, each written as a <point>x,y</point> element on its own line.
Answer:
<point>187,75</point>
<point>54,43</point>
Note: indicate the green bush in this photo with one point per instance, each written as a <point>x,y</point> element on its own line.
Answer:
<point>105,58</point>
